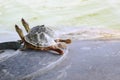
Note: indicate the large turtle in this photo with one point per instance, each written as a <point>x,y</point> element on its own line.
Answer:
<point>41,38</point>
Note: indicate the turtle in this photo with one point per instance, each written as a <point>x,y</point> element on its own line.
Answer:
<point>41,38</point>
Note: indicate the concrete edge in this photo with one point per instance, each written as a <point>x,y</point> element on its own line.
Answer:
<point>45,69</point>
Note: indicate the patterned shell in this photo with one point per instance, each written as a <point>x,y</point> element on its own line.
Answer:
<point>40,36</point>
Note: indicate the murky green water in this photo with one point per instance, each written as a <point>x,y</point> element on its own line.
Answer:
<point>60,14</point>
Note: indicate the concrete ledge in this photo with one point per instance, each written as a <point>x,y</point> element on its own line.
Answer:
<point>27,65</point>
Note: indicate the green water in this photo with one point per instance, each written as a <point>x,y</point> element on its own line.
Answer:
<point>58,13</point>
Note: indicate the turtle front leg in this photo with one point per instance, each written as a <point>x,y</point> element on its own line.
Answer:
<point>25,24</point>
<point>67,41</point>
<point>58,50</point>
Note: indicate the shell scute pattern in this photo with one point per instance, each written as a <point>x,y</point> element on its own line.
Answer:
<point>40,36</point>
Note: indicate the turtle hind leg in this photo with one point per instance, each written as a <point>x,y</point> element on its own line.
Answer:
<point>20,33</point>
<point>67,41</point>
<point>25,24</point>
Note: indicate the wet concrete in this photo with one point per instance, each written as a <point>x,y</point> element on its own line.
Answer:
<point>26,65</point>
<point>89,60</point>
<point>86,60</point>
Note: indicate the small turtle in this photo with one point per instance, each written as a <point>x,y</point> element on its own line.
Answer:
<point>41,38</point>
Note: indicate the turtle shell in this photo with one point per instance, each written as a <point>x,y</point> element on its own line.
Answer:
<point>40,36</point>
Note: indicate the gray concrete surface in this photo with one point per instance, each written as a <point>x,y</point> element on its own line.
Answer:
<point>26,65</point>
<point>94,60</point>
<point>89,60</point>
<point>86,60</point>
